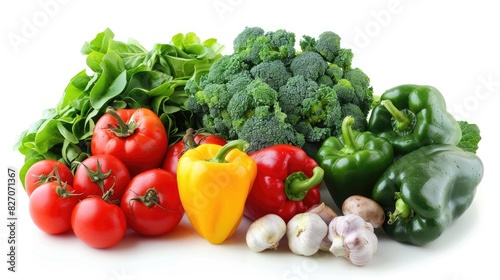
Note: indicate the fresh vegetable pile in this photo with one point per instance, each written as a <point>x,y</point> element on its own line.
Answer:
<point>151,136</point>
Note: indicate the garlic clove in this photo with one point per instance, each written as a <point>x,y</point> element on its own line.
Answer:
<point>265,233</point>
<point>324,211</point>
<point>352,238</point>
<point>327,214</point>
<point>305,232</point>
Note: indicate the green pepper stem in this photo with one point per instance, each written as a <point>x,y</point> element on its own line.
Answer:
<point>298,184</point>
<point>349,141</point>
<point>239,144</point>
<point>402,210</point>
<point>400,117</point>
<point>402,121</point>
<point>123,129</point>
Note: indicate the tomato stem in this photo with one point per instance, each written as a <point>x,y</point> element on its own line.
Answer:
<point>150,198</point>
<point>188,140</point>
<point>123,129</point>
<point>97,176</point>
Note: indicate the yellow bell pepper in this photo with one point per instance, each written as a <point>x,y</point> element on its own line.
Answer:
<point>214,182</point>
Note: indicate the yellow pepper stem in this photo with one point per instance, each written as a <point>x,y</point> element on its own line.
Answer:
<point>239,144</point>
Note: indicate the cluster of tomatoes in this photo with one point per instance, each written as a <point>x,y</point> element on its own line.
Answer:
<point>129,180</point>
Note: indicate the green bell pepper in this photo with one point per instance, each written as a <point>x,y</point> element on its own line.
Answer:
<point>412,116</point>
<point>426,190</point>
<point>353,162</point>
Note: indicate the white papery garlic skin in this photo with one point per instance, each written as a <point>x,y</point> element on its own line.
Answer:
<point>305,232</point>
<point>352,238</point>
<point>265,233</point>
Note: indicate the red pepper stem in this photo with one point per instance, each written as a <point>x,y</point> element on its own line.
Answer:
<point>350,146</point>
<point>298,184</point>
<point>123,129</point>
<point>239,144</point>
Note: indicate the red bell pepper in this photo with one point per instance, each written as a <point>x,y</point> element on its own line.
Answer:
<point>190,141</point>
<point>287,182</point>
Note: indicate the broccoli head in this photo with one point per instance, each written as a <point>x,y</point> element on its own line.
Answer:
<point>274,73</point>
<point>309,64</point>
<point>267,92</point>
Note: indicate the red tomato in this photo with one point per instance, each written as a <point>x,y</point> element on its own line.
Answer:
<point>44,171</point>
<point>97,174</point>
<point>98,223</point>
<point>50,207</point>
<point>189,141</point>
<point>151,203</point>
<point>135,136</point>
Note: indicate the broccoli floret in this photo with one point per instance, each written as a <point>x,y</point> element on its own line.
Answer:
<point>214,96</point>
<point>344,59</point>
<point>266,131</point>
<point>240,104</point>
<point>274,45</point>
<point>361,84</point>
<point>274,73</point>
<point>246,37</point>
<point>312,133</point>
<point>262,93</point>
<point>262,111</point>
<point>323,108</point>
<point>291,95</point>
<point>345,92</point>
<point>307,43</point>
<point>225,69</point>
<point>328,45</point>
<point>325,80</point>
<point>335,72</point>
<point>309,64</point>
<point>239,82</point>
<point>360,118</point>
<point>282,46</point>
<point>256,49</point>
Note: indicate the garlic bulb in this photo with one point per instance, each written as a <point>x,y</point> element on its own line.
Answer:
<point>305,232</point>
<point>352,238</point>
<point>327,214</point>
<point>265,233</point>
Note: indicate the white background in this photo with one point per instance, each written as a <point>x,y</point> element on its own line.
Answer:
<point>452,45</point>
